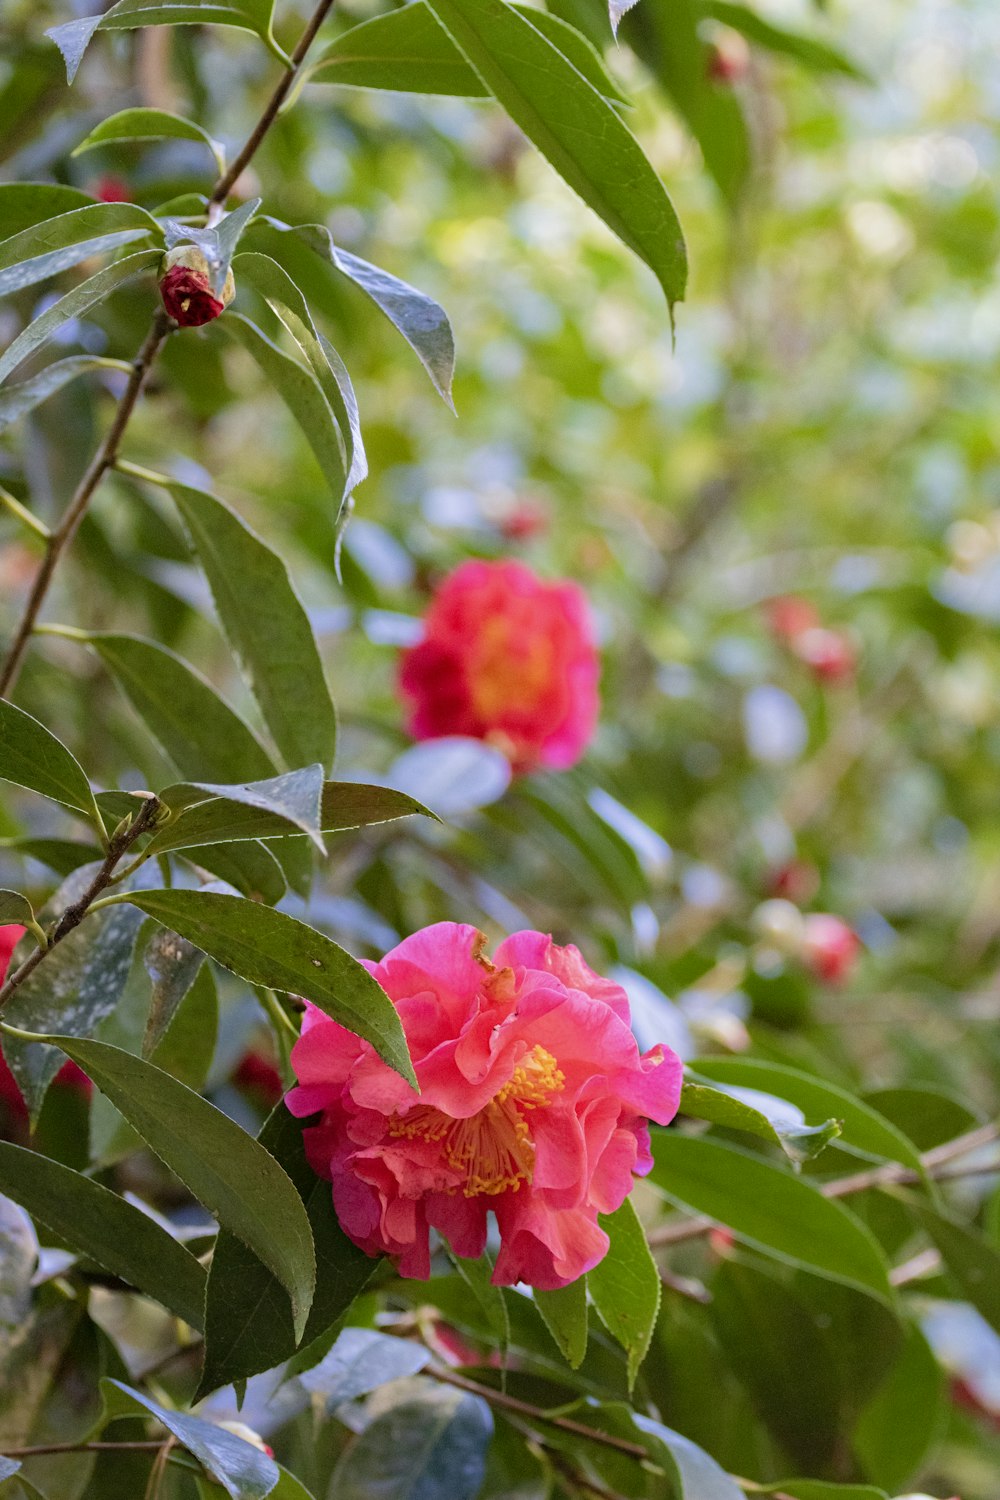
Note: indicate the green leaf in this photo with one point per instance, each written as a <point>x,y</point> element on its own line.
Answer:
<point>240,1183</point>
<point>19,399</point>
<point>73,305</point>
<point>564,1314</point>
<point>422,322</point>
<point>864,1129</point>
<point>150,125</point>
<point>360,1361</point>
<point>431,1445</point>
<point>74,990</point>
<point>210,813</point>
<point>188,1048</point>
<point>202,735</point>
<point>266,625</point>
<point>409,51</point>
<point>172,964</point>
<point>736,1111</point>
<point>8,1467</point>
<point>249,867</point>
<point>767,1207</point>
<point>625,1286</point>
<point>288,304</point>
<point>25,203</point>
<point>45,249</point>
<point>667,40</point>
<point>105,1228</point>
<point>773,1344</point>
<point>477,1275</point>
<point>701,1477</point>
<point>243,1470</point>
<point>355,804</point>
<point>32,757</point>
<point>903,1420</point>
<point>819,1489</point>
<point>817,55</point>
<point>302,393</point>
<point>270,948</point>
<point>73,37</point>
<point>573,127</point>
<point>927,1115</point>
<point>15,908</point>
<point>248,1327</point>
<point>971,1259</point>
<point>218,244</point>
<point>63,856</point>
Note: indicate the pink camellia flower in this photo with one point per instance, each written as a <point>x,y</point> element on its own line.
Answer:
<point>508,658</point>
<point>829,947</point>
<point>533,1103</point>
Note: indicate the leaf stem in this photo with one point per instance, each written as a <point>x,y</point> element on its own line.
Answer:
<point>23,514</point>
<point>106,456</point>
<point>121,841</point>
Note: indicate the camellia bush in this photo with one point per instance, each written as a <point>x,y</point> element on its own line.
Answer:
<point>570,1066</point>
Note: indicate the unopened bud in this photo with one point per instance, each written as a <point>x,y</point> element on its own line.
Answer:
<point>186,288</point>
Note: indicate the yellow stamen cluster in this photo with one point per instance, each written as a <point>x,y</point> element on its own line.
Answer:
<point>494,1147</point>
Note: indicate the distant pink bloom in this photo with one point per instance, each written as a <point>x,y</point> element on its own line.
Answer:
<point>829,653</point>
<point>533,1103</point>
<point>508,658</point>
<point>9,939</point>
<point>789,615</point>
<point>14,1114</point>
<point>830,948</point>
<point>112,189</point>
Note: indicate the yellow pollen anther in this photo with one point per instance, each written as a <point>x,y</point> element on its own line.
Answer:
<point>494,1147</point>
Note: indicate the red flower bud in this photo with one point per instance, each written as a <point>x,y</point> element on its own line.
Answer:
<point>789,615</point>
<point>187,290</point>
<point>830,948</point>
<point>829,653</point>
<point>112,189</point>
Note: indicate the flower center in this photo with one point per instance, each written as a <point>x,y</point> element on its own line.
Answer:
<point>494,1147</point>
<point>508,668</point>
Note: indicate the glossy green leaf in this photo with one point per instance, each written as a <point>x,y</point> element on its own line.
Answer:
<point>23,204</point>
<point>88,294</point>
<point>249,867</point>
<point>668,41</point>
<point>971,1259</point>
<point>431,1445</point>
<point>864,1128</point>
<point>267,627</point>
<point>773,1343</point>
<point>32,757</point>
<point>243,1470</point>
<point>172,964</point>
<point>62,856</point>
<point>819,1489</point>
<point>23,397</point>
<point>211,812</point>
<point>573,127</point>
<point>927,1115</point>
<point>15,908</point>
<point>248,1326</point>
<point>202,735</point>
<point>817,55</point>
<point>564,1313</point>
<point>903,1421</point>
<point>737,1111</point>
<point>269,948</point>
<point>354,804</point>
<point>304,396</point>
<point>74,990</point>
<point>769,1208</point>
<point>287,302</point>
<point>360,1361</point>
<point>236,1179</point>
<point>149,125</point>
<point>701,1477</point>
<point>56,244</point>
<point>409,51</point>
<point>478,1277</point>
<point>105,1228</point>
<point>625,1286</point>
<point>187,1050</point>
<point>73,37</point>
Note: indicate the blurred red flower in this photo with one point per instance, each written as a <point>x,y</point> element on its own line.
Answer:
<point>508,658</point>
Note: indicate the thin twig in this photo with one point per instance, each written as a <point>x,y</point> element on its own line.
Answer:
<point>162,325</point>
<point>39,1450</point>
<point>889,1174</point>
<point>75,913</point>
<point>271,108</point>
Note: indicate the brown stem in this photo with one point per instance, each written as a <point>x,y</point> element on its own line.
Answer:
<point>889,1174</point>
<point>162,325</point>
<point>74,914</point>
<point>538,1414</point>
<point>64,533</point>
<point>270,114</point>
<point>40,1449</point>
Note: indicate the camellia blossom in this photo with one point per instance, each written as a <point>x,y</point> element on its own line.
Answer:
<point>534,1101</point>
<point>508,658</point>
